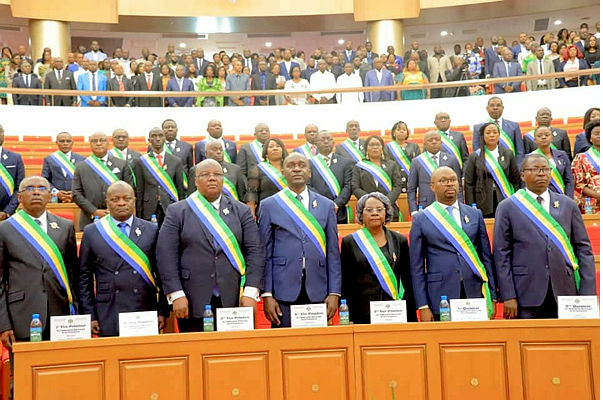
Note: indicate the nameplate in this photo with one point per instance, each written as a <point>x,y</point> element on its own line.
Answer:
<point>133,324</point>
<point>468,310</point>
<point>71,327</point>
<point>388,312</point>
<point>234,319</point>
<point>578,307</point>
<point>311,315</point>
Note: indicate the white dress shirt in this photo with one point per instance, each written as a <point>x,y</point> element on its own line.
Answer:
<point>456,211</point>
<point>43,221</point>
<point>349,81</point>
<point>129,221</point>
<point>546,198</point>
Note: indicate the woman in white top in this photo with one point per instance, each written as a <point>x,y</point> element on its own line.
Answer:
<point>296,83</point>
<point>573,61</point>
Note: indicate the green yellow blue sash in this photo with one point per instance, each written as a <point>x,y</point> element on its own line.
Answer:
<point>377,172</point>
<point>126,249</point>
<point>160,175</point>
<point>305,150</point>
<point>399,156</point>
<point>184,177</point>
<point>427,162</point>
<point>594,158</point>
<point>117,154</point>
<point>63,161</point>
<point>101,169</point>
<point>329,178</point>
<point>550,227</point>
<point>505,139</point>
<point>463,245</point>
<point>530,136</point>
<point>273,175</point>
<point>556,179</point>
<point>450,147</point>
<point>303,218</point>
<point>497,173</point>
<point>352,150</point>
<point>6,180</point>
<point>256,149</point>
<point>379,263</point>
<point>210,219</point>
<point>48,250</point>
<point>229,189</point>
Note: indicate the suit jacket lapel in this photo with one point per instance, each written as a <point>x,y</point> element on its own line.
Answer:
<point>136,230</point>
<point>53,233</point>
<point>554,201</point>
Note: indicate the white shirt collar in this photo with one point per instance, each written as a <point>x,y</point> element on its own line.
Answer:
<point>216,203</point>
<point>43,220</point>
<point>162,154</point>
<point>305,195</point>
<point>456,211</point>
<point>128,221</point>
<point>546,196</point>
<point>437,155</point>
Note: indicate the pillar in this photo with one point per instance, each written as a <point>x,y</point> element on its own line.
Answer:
<point>53,34</point>
<point>384,33</point>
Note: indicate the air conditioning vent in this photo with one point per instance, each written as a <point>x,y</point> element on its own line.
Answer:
<point>541,24</point>
<point>469,31</point>
<point>341,33</point>
<point>10,28</point>
<point>203,36</point>
<point>269,35</point>
<point>418,36</point>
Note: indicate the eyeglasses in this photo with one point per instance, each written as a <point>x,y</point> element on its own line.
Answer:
<point>100,140</point>
<point>447,181</point>
<point>374,209</point>
<point>541,170</point>
<point>206,176</point>
<point>64,141</point>
<point>31,188</point>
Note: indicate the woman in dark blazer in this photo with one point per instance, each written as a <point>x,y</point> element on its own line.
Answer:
<point>400,134</point>
<point>360,285</point>
<point>543,136</point>
<point>480,187</point>
<point>260,185</point>
<point>363,182</point>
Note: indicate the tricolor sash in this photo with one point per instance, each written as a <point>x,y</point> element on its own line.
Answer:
<point>101,169</point>
<point>303,218</point>
<point>399,156</point>
<point>210,219</point>
<point>379,263</point>
<point>273,174</point>
<point>63,162</point>
<point>352,150</point>
<point>45,246</point>
<point>377,172</point>
<point>463,245</point>
<point>160,175</point>
<point>450,147</point>
<point>505,139</point>
<point>427,162</point>
<point>594,158</point>
<point>184,177</point>
<point>117,154</point>
<point>329,178</point>
<point>556,178</point>
<point>497,173</point>
<point>304,150</point>
<point>126,249</point>
<point>6,180</point>
<point>229,189</point>
<point>530,136</point>
<point>543,220</point>
<point>256,149</point>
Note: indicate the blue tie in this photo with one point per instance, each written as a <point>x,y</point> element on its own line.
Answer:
<point>93,82</point>
<point>124,228</point>
<point>450,209</point>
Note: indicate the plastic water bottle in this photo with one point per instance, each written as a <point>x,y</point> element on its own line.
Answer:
<point>95,219</point>
<point>474,205</point>
<point>344,313</point>
<point>154,219</point>
<point>208,319</point>
<point>420,208</point>
<point>54,198</point>
<point>35,328</point>
<point>588,206</point>
<point>444,309</point>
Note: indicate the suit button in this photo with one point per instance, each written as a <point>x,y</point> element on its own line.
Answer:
<point>134,272</point>
<point>116,273</point>
<point>212,275</point>
<point>117,291</point>
<point>135,290</point>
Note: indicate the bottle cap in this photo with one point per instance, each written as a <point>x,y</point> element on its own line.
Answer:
<point>35,316</point>
<point>443,298</point>
<point>153,215</point>
<point>343,301</point>
<point>207,307</point>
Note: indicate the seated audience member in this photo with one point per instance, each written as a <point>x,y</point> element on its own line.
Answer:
<point>379,76</point>
<point>376,174</point>
<point>540,66</point>
<point>582,145</point>
<point>353,146</point>
<point>92,81</point>
<point>573,61</point>
<point>507,68</point>
<point>401,151</point>
<point>412,75</point>
<point>58,168</point>
<point>15,172</point>
<point>560,140</point>
<point>263,80</point>
<point>321,80</point>
<point>562,180</point>
<point>180,84</point>
<point>209,83</point>
<point>491,172</point>
<point>95,54</point>
<point>349,80</point>
<point>266,178</point>
<point>237,81</point>
<point>535,259</point>
<point>296,83</point>
<point>59,78</point>
<point>26,80</point>
<point>120,83</point>
<point>364,276</point>
<point>214,129</point>
<point>586,169</point>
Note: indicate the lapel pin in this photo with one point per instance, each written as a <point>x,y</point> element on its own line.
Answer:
<point>115,170</point>
<point>334,160</point>
<point>137,231</point>
<point>177,149</point>
<point>73,161</point>
<point>554,133</point>
<point>502,158</point>
<point>394,257</point>
<point>129,156</point>
<point>466,219</point>
<point>165,167</point>
<point>559,162</point>
<point>556,204</point>
<point>445,157</point>
<point>109,163</point>
<point>314,203</point>
<point>54,225</point>
<point>226,212</point>
<point>4,156</point>
<point>225,171</point>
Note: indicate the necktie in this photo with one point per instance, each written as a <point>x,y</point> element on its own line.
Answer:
<point>313,148</point>
<point>172,145</point>
<point>180,85</point>
<point>38,222</point>
<point>27,81</point>
<point>59,75</point>
<point>507,68</point>
<point>149,81</point>
<point>540,66</point>
<point>540,200</point>
<point>299,198</point>
<point>121,84</point>
<point>93,82</point>
<point>327,160</point>
<point>450,209</point>
<point>123,227</point>
<point>435,159</point>
<point>160,160</point>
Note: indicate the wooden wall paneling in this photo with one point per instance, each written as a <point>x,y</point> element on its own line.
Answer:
<point>236,376</point>
<point>154,379</point>
<point>84,381</point>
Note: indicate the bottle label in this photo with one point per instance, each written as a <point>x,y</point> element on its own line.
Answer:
<point>208,324</point>
<point>344,318</point>
<point>35,334</point>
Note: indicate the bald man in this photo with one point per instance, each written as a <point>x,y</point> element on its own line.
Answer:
<point>214,129</point>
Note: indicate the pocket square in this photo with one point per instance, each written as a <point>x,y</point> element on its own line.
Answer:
<point>10,166</point>
<point>115,170</point>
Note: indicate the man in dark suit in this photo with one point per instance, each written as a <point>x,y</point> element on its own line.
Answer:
<point>120,83</point>
<point>532,269</point>
<point>28,283</point>
<point>59,78</point>
<point>378,76</point>
<point>340,167</point>
<point>12,163</point>
<point>297,271</point>
<point>420,175</point>
<point>93,176</point>
<point>561,141</point>
<point>200,62</point>
<point>414,48</point>
<point>187,237</point>
<point>153,195</point>
<point>495,110</point>
<point>214,129</point>
<point>352,128</point>
<point>436,265</point>
<point>148,81</point>
<point>180,84</point>
<point>507,68</point>
<point>442,122</point>
<point>183,150</point>
<point>121,140</point>
<point>287,64</point>
<point>92,80</point>
<point>250,62</point>
<point>370,54</point>
<point>58,167</point>
<point>26,80</point>
<point>250,154</point>
<point>310,69</point>
<point>348,53</point>
<point>120,286</point>
<point>491,56</point>
<point>263,80</point>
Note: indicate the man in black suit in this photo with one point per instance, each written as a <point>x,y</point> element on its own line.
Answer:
<point>58,78</point>
<point>370,54</point>
<point>27,80</point>
<point>442,122</point>
<point>93,176</point>
<point>414,48</point>
<point>263,80</point>
<point>148,81</point>
<point>250,154</point>
<point>121,140</point>
<point>13,164</point>
<point>249,61</point>
<point>28,283</point>
<point>200,62</point>
<point>58,170</point>
<point>348,53</point>
<point>341,169</point>
<point>352,128</point>
<point>310,69</point>
<point>183,150</point>
<point>120,83</point>
<point>544,117</point>
<point>153,194</point>
<point>214,129</point>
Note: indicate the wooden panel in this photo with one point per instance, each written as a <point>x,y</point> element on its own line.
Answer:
<point>394,373</point>
<point>69,10</point>
<point>222,378</point>
<point>474,372</point>
<point>85,381</point>
<point>155,379</point>
<point>315,375</point>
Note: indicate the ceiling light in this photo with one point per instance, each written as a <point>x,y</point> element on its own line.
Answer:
<point>268,44</point>
<point>341,41</point>
<point>444,33</point>
<point>557,22</point>
<point>182,45</point>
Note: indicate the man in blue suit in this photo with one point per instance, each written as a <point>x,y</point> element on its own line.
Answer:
<point>378,76</point>
<point>120,286</point>
<point>214,129</point>
<point>421,177</point>
<point>195,270</point>
<point>58,170</point>
<point>532,270</point>
<point>13,166</point>
<point>495,110</point>
<point>507,68</point>
<point>491,56</point>
<point>348,54</point>
<point>436,266</point>
<point>180,84</point>
<point>92,81</point>
<point>297,271</point>
<point>287,64</point>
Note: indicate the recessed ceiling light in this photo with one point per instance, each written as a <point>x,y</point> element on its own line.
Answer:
<point>268,44</point>
<point>444,33</point>
<point>182,45</point>
<point>341,41</point>
<point>557,22</point>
